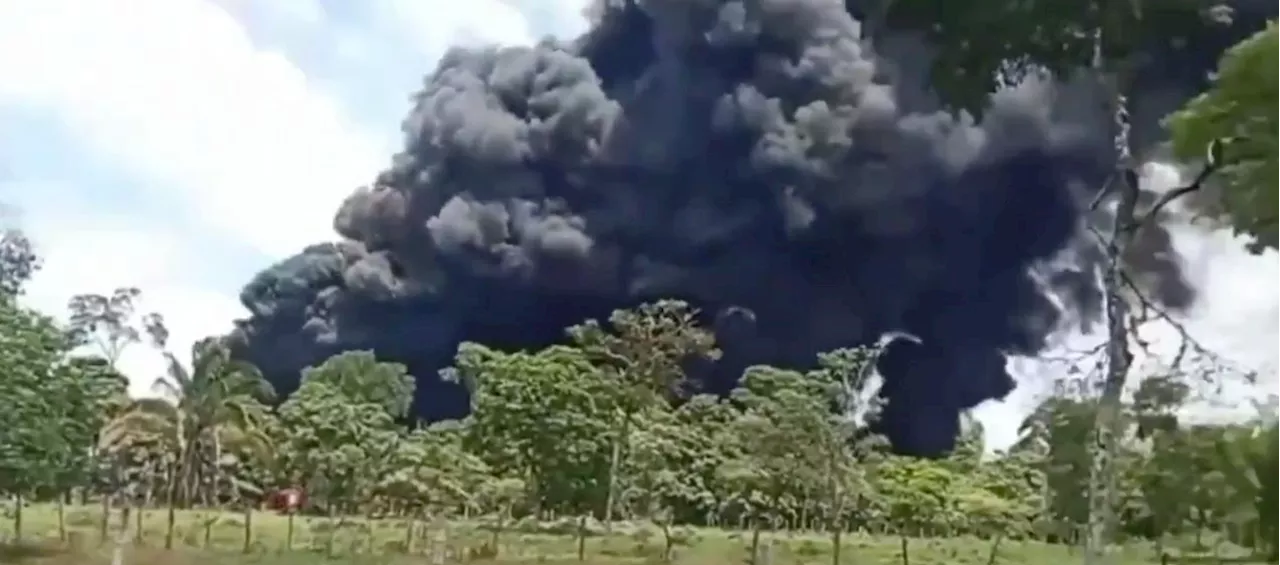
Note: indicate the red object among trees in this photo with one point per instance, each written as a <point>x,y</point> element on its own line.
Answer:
<point>287,500</point>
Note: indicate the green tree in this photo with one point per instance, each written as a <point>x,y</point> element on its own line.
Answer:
<point>707,447</point>
<point>1164,480</point>
<point>643,351</point>
<point>108,394</point>
<point>1181,482</point>
<point>1249,457</point>
<point>360,376</point>
<point>1156,402</point>
<point>914,495</point>
<point>198,406</point>
<point>982,46</point>
<point>1239,107</point>
<point>847,454</point>
<point>543,419</point>
<point>431,470</point>
<point>106,322</point>
<point>47,409</point>
<point>1212,487</point>
<point>340,425</point>
<point>785,444</point>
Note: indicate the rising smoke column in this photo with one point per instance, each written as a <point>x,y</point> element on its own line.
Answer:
<point>751,157</point>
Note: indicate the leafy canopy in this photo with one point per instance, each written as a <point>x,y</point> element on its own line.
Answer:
<point>1240,107</point>
<point>983,46</point>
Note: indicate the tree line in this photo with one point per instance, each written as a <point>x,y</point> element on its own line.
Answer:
<point>599,429</point>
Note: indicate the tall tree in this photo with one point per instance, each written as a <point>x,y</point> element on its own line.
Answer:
<point>983,46</point>
<point>48,408</point>
<point>110,323</point>
<point>644,350</point>
<point>198,405</point>
<point>542,418</point>
<point>846,455</point>
<point>340,425</point>
<point>107,323</point>
<point>781,443</point>
<point>45,408</point>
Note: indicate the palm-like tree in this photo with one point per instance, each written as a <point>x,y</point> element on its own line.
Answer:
<point>200,412</point>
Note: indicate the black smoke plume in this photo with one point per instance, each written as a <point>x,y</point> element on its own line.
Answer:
<point>754,157</point>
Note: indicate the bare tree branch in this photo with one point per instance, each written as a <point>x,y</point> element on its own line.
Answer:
<point>1188,344</point>
<point>1168,197</point>
<point>1189,349</point>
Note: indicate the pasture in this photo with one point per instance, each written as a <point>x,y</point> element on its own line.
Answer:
<point>223,538</point>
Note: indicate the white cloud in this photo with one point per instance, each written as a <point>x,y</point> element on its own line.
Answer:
<point>434,26</point>
<point>562,18</point>
<point>175,91</point>
<point>98,254</point>
<point>174,94</point>
<point>178,97</point>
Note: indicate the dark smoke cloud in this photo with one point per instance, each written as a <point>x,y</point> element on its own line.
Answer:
<point>754,157</point>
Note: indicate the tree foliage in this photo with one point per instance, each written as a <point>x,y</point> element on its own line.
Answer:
<point>1239,107</point>
<point>47,405</point>
<point>787,449</point>
<point>983,46</point>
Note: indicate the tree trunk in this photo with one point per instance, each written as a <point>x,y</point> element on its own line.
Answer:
<point>186,473</point>
<point>117,553</point>
<point>995,549</point>
<point>1119,358</point>
<point>208,521</point>
<point>837,531</point>
<point>334,524</point>
<point>216,476</point>
<point>138,518</point>
<point>248,527</point>
<point>17,518</point>
<point>104,524</point>
<point>148,492</point>
<point>288,534</point>
<point>615,462</point>
<point>171,504</point>
<point>62,519</point>
<point>126,510</point>
<point>498,527</point>
<point>440,545</point>
<point>122,537</point>
<point>755,542</point>
<point>409,528</point>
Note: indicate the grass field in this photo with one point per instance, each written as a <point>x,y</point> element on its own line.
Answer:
<point>212,538</point>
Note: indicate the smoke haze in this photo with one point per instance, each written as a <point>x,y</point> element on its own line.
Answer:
<point>757,158</point>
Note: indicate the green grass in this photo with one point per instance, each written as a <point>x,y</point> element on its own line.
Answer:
<point>359,541</point>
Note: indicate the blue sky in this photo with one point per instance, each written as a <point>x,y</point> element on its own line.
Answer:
<point>181,145</point>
